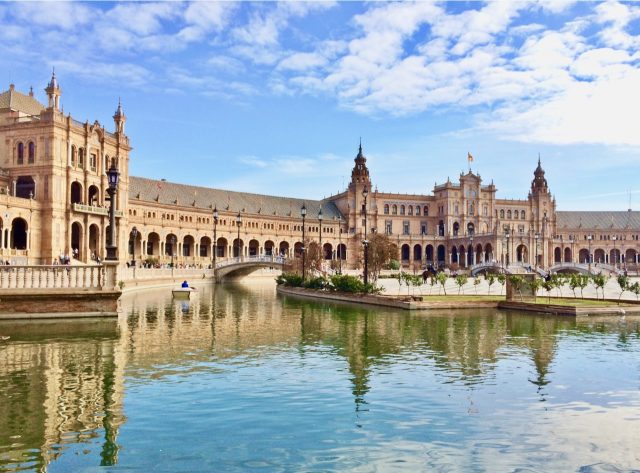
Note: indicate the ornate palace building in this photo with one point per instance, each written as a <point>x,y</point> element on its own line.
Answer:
<point>53,202</point>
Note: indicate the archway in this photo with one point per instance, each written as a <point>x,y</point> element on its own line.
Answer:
<point>598,256</point>
<point>341,251</point>
<point>221,247</point>
<point>76,192</point>
<point>441,228</point>
<point>488,252</point>
<point>153,244</point>
<point>614,256</point>
<point>19,234</point>
<point>171,245</point>
<point>94,241</point>
<point>405,252</point>
<point>456,228</point>
<point>268,247</point>
<point>630,256</point>
<point>94,192</point>
<point>478,255</point>
<point>522,253</point>
<point>205,244</point>
<point>429,253</point>
<point>454,255</point>
<point>76,240</point>
<point>583,255</point>
<point>557,255</point>
<point>297,250</point>
<point>567,255</point>
<point>441,254</point>
<point>254,248</point>
<point>188,245</point>
<point>327,250</point>
<point>417,253</point>
<point>471,229</point>
<point>25,187</point>
<point>238,246</point>
<point>283,249</point>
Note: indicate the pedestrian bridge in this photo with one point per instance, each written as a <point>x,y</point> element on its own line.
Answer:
<point>489,267</point>
<point>247,264</point>
<point>584,268</point>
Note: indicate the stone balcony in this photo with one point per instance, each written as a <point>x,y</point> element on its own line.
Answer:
<point>91,209</point>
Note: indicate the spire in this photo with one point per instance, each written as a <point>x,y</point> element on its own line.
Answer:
<point>53,92</point>
<point>360,173</point>
<point>119,118</point>
<point>539,183</point>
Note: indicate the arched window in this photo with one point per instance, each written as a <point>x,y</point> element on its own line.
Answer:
<point>411,210</point>
<point>508,214</point>
<point>522,215</point>
<point>426,211</point>
<point>402,210</point>
<point>74,152</point>
<point>515,214</point>
<point>417,210</point>
<point>20,153</point>
<point>394,209</point>
<point>81,157</point>
<point>386,209</point>
<point>32,152</point>
<point>501,213</point>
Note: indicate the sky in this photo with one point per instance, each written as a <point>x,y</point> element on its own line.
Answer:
<point>274,97</point>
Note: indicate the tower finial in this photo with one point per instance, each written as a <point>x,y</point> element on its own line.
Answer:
<point>360,147</point>
<point>538,158</point>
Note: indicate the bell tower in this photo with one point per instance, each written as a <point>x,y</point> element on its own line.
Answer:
<point>119,118</point>
<point>53,92</point>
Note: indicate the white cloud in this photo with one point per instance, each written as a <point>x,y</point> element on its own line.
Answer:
<point>302,61</point>
<point>63,15</point>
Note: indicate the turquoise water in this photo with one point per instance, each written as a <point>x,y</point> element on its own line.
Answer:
<point>240,379</point>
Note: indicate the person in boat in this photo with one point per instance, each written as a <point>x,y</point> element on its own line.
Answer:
<point>185,284</point>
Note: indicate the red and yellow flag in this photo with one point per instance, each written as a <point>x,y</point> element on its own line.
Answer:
<point>469,157</point>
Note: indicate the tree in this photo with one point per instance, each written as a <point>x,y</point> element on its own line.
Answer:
<point>599,281</point>
<point>380,253</point>
<point>517,282</point>
<point>476,283</point>
<point>502,279</point>
<point>548,286</point>
<point>623,282</point>
<point>535,284</point>
<point>441,277</point>
<point>491,278</point>
<point>461,280</point>
<point>583,281</point>
<point>635,288</point>
<point>313,258</point>
<point>574,283</point>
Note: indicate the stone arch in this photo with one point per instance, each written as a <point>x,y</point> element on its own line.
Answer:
<point>283,248</point>
<point>269,247</point>
<point>614,256</point>
<point>583,255</point>
<point>237,247</point>
<point>94,196</point>
<point>19,229</point>
<point>205,244</point>
<point>221,247</point>
<point>297,250</point>
<point>428,253</point>
<point>327,251</point>
<point>171,245</point>
<point>25,187</point>
<point>254,248</point>
<point>94,240</point>
<point>630,256</point>
<point>417,253</point>
<point>188,246</point>
<point>441,228</point>
<point>454,254</point>
<point>441,254</point>
<point>598,256</point>
<point>341,251</point>
<point>478,254</point>
<point>471,228</point>
<point>404,252</point>
<point>76,239</point>
<point>567,255</point>
<point>456,228</point>
<point>153,244</point>
<point>76,193</point>
<point>522,253</point>
<point>557,255</point>
<point>488,252</point>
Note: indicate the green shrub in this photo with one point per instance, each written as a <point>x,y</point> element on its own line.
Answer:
<point>316,283</point>
<point>394,264</point>
<point>346,283</point>
<point>290,280</point>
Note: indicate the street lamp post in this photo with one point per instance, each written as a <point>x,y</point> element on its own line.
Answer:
<point>473,260</point>
<point>506,258</point>
<point>303,213</point>
<point>536,237</point>
<point>365,193</point>
<point>112,175</point>
<point>134,234</point>
<point>174,240</point>
<point>589,237</point>
<point>340,246</point>
<point>320,233</point>
<point>615,254</point>
<point>238,224</point>
<point>215,235</point>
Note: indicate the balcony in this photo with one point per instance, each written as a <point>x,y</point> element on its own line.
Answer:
<point>93,210</point>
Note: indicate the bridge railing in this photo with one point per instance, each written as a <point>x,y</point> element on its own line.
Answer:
<point>280,260</point>
<point>160,273</point>
<point>52,277</point>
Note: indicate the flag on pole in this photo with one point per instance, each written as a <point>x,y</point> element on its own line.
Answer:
<point>469,157</point>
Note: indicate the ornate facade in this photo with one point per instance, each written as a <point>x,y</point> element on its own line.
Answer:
<point>53,202</point>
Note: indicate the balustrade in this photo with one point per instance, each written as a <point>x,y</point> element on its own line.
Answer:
<point>52,277</point>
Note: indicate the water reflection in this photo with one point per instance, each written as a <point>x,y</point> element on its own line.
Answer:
<point>435,391</point>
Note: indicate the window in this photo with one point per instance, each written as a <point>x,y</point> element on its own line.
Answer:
<point>93,160</point>
<point>81,157</point>
<point>203,250</point>
<point>186,249</point>
<point>485,211</point>
<point>386,209</point>
<point>521,229</point>
<point>501,213</point>
<point>74,151</point>
<point>508,214</point>
<point>471,209</point>
<point>423,228</point>
<point>417,210</point>
<point>522,215</point>
<point>402,210</point>
<point>388,227</point>
<point>32,152</point>
<point>426,211</point>
<point>515,214</point>
<point>150,248</point>
<point>456,209</point>
<point>20,153</point>
<point>394,209</point>
<point>405,227</point>
<point>411,210</point>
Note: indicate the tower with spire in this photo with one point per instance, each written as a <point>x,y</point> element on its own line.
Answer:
<point>119,118</point>
<point>53,92</point>
<point>539,183</point>
<point>360,172</point>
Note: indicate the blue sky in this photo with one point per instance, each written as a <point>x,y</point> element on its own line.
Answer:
<point>273,97</point>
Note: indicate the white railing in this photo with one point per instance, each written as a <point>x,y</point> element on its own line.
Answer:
<point>95,210</point>
<point>52,277</point>
<point>251,259</point>
<point>127,274</point>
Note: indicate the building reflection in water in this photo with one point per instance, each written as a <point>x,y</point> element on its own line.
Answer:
<point>61,384</point>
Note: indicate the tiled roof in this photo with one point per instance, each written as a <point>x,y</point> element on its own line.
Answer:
<point>151,190</point>
<point>619,220</point>
<point>13,100</point>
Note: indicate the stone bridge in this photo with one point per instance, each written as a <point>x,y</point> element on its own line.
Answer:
<point>247,264</point>
<point>585,268</point>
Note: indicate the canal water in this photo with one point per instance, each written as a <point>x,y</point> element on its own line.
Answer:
<point>240,379</point>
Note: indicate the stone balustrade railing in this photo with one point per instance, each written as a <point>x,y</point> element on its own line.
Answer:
<point>127,274</point>
<point>54,277</point>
